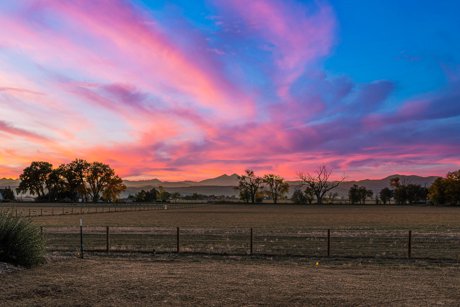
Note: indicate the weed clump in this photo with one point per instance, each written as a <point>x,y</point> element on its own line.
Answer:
<point>21,242</point>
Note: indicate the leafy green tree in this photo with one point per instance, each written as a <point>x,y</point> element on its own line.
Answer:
<point>453,187</point>
<point>415,193</point>
<point>249,184</point>
<point>386,195</point>
<point>276,185</point>
<point>113,188</point>
<point>446,190</point>
<point>102,181</point>
<point>146,196</point>
<point>163,195</point>
<point>407,193</point>
<point>319,182</point>
<point>437,192</point>
<point>34,179</point>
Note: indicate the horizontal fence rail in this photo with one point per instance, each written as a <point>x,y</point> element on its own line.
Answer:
<point>79,209</point>
<point>339,243</point>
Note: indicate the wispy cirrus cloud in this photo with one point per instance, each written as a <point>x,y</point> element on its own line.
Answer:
<point>240,85</point>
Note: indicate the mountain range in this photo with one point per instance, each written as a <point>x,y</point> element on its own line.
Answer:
<point>225,185</point>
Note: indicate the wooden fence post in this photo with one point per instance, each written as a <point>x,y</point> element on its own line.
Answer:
<point>81,241</point>
<point>107,239</point>
<point>178,240</point>
<point>328,242</point>
<point>251,242</point>
<point>409,245</point>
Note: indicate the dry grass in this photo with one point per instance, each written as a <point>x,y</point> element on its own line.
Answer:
<point>380,217</point>
<point>191,281</point>
<point>212,280</point>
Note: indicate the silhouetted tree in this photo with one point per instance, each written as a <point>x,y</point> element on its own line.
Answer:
<point>276,186</point>
<point>78,179</point>
<point>386,195</point>
<point>249,185</point>
<point>453,187</point>
<point>57,188</point>
<point>146,196</point>
<point>319,182</point>
<point>298,197</point>
<point>8,194</point>
<point>74,174</point>
<point>34,179</point>
<point>101,179</point>
<point>446,190</point>
<point>358,194</point>
<point>407,193</point>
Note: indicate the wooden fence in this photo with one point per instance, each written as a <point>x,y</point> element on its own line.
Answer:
<point>335,243</point>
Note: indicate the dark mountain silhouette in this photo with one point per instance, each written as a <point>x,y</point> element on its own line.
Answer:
<point>224,180</point>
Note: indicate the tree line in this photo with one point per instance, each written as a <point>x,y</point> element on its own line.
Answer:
<point>313,187</point>
<point>76,181</point>
<point>317,186</point>
<point>83,181</point>
<point>153,195</point>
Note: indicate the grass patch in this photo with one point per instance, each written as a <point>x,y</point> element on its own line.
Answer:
<point>20,241</point>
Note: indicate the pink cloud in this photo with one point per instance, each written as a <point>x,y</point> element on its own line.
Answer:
<point>103,80</point>
<point>299,36</point>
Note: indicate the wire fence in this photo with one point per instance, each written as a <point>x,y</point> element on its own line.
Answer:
<point>354,243</point>
<point>79,209</point>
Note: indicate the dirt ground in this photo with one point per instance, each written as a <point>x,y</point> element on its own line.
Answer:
<point>217,281</point>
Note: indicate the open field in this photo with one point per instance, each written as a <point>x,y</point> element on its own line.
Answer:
<point>339,216</point>
<point>217,281</point>
<point>367,266</point>
<point>356,231</point>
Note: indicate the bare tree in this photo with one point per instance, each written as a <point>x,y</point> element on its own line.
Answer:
<point>319,182</point>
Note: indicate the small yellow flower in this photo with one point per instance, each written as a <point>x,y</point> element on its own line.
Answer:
<point>317,263</point>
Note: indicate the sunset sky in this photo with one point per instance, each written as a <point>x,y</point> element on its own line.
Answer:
<point>193,89</point>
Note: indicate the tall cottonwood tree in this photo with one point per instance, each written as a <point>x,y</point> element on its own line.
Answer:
<point>76,180</point>
<point>74,173</point>
<point>277,187</point>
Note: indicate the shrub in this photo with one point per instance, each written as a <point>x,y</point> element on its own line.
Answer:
<point>21,242</point>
